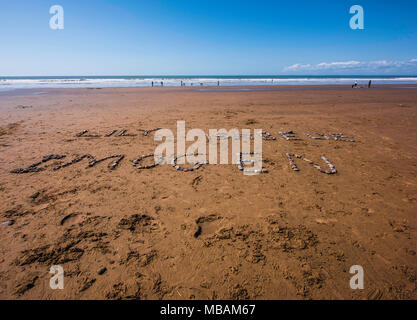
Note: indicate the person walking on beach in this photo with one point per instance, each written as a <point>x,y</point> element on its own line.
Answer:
<point>162,83</point>
<point>152,83</point>
<point>369,83</point>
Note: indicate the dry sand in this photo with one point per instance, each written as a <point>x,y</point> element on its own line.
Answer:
<point>281,235</point>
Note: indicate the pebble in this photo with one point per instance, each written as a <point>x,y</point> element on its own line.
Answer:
<point>267,136</point>
<point>88,156</point>
<point>7,223</point>
<point>197,165</point>
<point>124,134</point>
<point>34,167</point>
<point>111,133</point>
<point>241,135</point>
<point>292,163</point>
<point>138,160</point>
<point>102,270</point>
<point>114,165</point>
<point>146,132</point>
<point>241,161</point>
<point>321,136</point>
<point>341,137</point>
<point>93,161</point>
<point>83,134</point>
<point>289,135</point>
<point>295,168</point>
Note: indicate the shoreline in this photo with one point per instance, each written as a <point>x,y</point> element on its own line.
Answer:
<point>251,88</point>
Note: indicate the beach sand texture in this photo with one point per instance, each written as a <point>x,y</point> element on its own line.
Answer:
<point>213,233</point>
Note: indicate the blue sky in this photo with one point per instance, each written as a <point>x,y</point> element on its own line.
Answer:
<point>155,37</point>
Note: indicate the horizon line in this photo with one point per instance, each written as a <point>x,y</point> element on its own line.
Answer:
<point>215,75</point>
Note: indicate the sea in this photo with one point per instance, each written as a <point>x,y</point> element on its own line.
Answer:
<point>12,83</point>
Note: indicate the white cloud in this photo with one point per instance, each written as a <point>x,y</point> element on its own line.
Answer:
<point>298,66</point>
<point>338,65</point>
<point>353,65</point>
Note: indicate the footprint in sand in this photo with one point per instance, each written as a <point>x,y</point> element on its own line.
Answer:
<point>196,181</point>
<point>71,219</point>
<point>375,294</point>
<point>207,225</point>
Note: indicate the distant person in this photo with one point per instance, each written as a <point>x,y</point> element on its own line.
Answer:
<point>162,83</point>
<point>152,83</point>
<point>218,83</point>
<point>369,83</point>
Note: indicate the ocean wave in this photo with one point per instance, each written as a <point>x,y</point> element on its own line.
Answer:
<point>91,82</point>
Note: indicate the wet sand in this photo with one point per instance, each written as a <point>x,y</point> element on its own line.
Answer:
<point>213,233</point>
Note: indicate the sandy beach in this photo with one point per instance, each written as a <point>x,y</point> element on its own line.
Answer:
<point>212,233</point>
